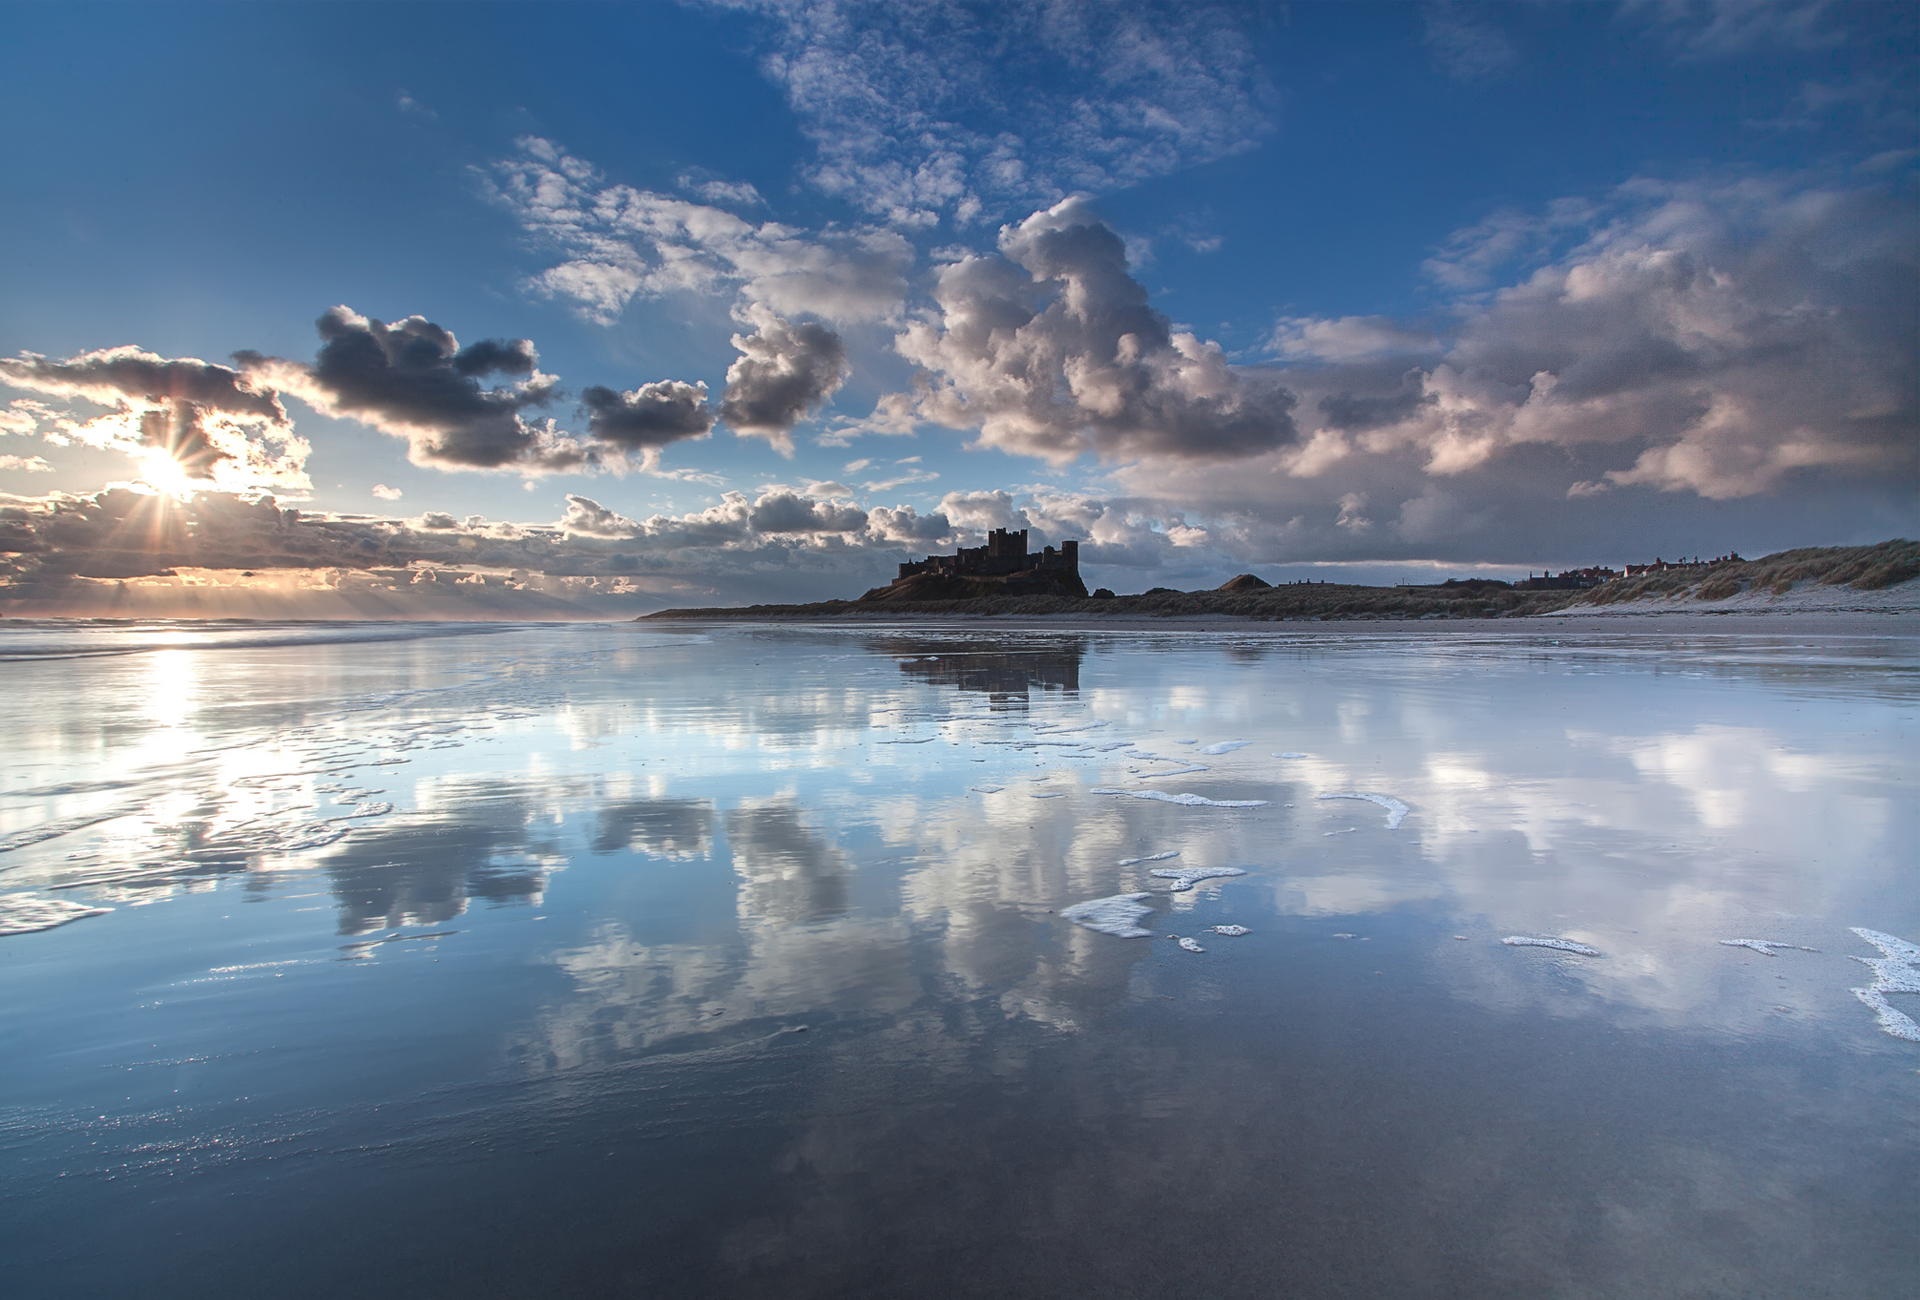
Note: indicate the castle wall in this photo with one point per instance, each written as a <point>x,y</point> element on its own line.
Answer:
<point>1004,554</point>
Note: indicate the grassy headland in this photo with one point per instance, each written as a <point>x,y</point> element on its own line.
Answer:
<point>1863,568</point>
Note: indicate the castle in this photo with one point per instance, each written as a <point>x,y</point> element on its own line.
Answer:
<point>1004,555</point>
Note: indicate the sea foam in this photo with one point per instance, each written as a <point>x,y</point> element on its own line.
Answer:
<point>1118,915</point>
<point>1186,800</point>
<point>1765,947</point>
<point>1897,970</point>
<point>23,913</point>
<point>1184,878</point>
<point>1558,945</point>
<point>1396,811</point>
<point>1224,746</point>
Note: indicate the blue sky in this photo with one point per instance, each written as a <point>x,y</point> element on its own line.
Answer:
<point>1344,290</point>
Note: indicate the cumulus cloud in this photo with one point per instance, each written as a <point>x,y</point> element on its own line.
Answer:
<point>1715,341</point>
<point>909,527</point>
<point>620,243</point>
<point>412,379</point>
<point>1051,350</point>
<point>586,517</point>
<point>648,418</point>
<point>940,108</point>
<point>386,493</point>
<point>1346,338</point>
<point>784,373</point>
<point>188,422</point>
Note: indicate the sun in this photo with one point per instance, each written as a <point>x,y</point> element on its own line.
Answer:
<point>159,470</point>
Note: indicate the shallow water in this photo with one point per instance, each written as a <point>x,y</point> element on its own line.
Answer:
<point>753,974</point>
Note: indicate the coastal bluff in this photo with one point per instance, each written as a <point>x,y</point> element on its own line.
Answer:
<point>1878,578</point>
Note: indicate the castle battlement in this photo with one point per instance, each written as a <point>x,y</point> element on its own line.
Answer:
<point>1004,554</point>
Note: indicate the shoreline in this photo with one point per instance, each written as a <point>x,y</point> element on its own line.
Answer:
<point>1656,622</point>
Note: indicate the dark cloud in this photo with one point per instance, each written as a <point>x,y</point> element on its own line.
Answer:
<point>1350,413</point>
<point>414,380</point>
<point>114,375</point>
<point>785,371</point>
<point>648,418</point>
<point>1052,350</point>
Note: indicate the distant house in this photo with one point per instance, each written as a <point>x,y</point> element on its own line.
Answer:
<point>1568,580</point>
<point>1668,566</point>
<point>1004,555</point>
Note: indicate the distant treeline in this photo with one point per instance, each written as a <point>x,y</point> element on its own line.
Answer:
<point>1866,568</point>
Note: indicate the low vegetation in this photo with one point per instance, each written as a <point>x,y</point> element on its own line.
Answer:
<point>1865,568</point>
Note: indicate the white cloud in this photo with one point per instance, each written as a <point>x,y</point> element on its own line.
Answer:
<point>1052,350</point>
<point>25,464</point>
<point>1716,341</point>
<point>944,109</point>
<point>586,517</point>
<point>1302,338</point>
<point>386,493</point>
<point>619,243</point>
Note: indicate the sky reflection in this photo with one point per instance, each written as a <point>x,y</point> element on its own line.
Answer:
<point>455,875</point>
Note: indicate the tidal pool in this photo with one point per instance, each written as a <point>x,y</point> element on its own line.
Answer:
<point>743,961</point>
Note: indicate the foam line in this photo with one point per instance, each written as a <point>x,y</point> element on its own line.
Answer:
<point>1184,878</point>
<point>1118,915</point>
<point>1897,1023</point>
<point>1225,746</point>
<point>1396,811</point>
<point>24,914</point>
<point>1186,800</point>
<point>1292,754</point>
<point>989,789</point>
<point>1231,931</point>
<point>53,830</point>
<point>1897,970</point>
<point>1558,945</point>
<point>1765,947</point>
<point>1176,771</point>
<point>1151,857</point>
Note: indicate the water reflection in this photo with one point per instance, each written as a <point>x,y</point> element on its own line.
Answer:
<point>792,899</point>
<point>788,872</point>
<point>1002,675</point>
<point>664,828</point>
<point>472,839</point>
